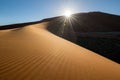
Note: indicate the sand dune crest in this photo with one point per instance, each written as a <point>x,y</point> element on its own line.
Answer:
<point>33,53</point>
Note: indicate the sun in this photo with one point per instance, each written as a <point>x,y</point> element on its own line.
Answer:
<point>68,13</point>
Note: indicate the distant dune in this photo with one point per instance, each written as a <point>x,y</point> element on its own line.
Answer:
<point>31,52</point>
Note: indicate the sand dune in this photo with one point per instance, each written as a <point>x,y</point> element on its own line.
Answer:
<point>33,53</point>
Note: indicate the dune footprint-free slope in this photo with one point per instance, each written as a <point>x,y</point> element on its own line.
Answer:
<point>33,53</point>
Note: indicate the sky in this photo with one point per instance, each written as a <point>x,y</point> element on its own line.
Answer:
<point>19,11</point>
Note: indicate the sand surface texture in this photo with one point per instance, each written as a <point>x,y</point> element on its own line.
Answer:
<point>33,53</point>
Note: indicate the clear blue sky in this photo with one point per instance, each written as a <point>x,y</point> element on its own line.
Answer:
<point>17,11</point>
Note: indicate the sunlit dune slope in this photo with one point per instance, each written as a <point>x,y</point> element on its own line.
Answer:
<point>33,53</point>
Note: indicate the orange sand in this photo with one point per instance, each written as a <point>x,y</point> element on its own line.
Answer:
<point>33,53</point>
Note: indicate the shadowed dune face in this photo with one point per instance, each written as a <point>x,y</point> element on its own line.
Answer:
<point>62,27</point>
<point>96,31</point>
<point>33,53</point>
